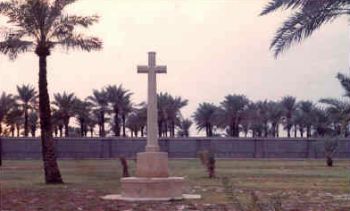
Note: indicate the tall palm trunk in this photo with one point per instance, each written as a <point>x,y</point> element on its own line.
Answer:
<point>116,123</point>
<point>102,129</point>
<point>66,127</point>
<point>26,129</point>
<point>142,129</point>
<point>123,119</point>
<point>82,131</point>
<point>18,128</point>
<point>52,172</point>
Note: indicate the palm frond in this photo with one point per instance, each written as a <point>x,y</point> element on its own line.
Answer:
<point>13,46</point>
<point>309,16</point>
<point>345,82</point>
<point>65,25</point>
<point>298,27</point>
<point>79,41</point>
<point>281,4</point>
<point>332,102</point>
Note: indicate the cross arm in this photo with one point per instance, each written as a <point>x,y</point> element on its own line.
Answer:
<point>142,69</point>
<point>160,69</point>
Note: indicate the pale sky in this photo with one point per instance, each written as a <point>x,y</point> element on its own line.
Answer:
<point>212,48</point>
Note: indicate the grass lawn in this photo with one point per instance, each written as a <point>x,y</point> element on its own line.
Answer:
<point>297,184</point>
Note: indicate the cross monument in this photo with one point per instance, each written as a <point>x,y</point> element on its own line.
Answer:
<point>152,181</point>
<point>152,114</point>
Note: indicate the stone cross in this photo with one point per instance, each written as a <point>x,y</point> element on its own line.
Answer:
<point>152,113</point>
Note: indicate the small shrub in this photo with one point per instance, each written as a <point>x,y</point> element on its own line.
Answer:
<point>330,147</point>
<point>125,166</point>
<point>203,156</point>
<point>208,160</point>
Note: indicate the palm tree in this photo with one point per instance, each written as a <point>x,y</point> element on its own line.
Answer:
<point>6,104</point>
<point>338,111</point>
<point>66,104</point>
<point>26,97</point>
<point>99,100</point>
<point>306,110</point>
<point>309,15</point>
<point>121,104</point>
<point>33,122</point>
<point>141,113</point>
<point>205,117</point>
<point>184,127</point>
<point>174,113</point>
<point>57,122</point>
<point>231,113</point>
<point>40,26</point>
<point>322,123</point>
<point>14,121</point>
<point>82,112</point>
<point>256,123</point>
<point>289,106</point>
<point>164,101</point>
<point>275,112</point>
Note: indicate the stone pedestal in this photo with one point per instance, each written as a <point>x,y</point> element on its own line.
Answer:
<point>152,181</point>
<point>152,164</point>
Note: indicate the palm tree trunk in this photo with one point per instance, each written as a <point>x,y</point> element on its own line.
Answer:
<point>18,129</point>
<point>52,172</point>
<point>116,123</point>
<point>26,121</point>
<point>123,119</point>
<point>66,128</point>
<point>82,132</point>
<point>12,129</point>
<point>103,131</point>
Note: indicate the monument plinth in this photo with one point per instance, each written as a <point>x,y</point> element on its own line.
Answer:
<point>152,181</point>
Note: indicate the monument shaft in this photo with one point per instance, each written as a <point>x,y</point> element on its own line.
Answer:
<point>152,111</point>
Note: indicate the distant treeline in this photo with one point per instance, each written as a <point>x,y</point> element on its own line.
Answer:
<point>110,112</point>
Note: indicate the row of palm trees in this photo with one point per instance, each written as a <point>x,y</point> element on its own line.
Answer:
<point>237,115</point>
<point>110,110</point>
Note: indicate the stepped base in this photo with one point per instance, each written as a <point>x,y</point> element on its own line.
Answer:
<point>152,189</point>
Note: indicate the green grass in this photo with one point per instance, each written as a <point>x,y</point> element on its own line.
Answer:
<point>305,177</point>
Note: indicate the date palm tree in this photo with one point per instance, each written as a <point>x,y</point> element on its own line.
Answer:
<point>205,117</point>
<point>232,111</point>
<point>82,112</point>
<point>6,104</point>
<point>184,127</point>
<point>39,26</point>
<point>306,109</point>
<point>121,104</point>
<point>289,106</point>
<point>26,97</point>
<point>163,103</point>
<point>275,112</point>
<point>338,111</point>
<point>99,100</point>
<point>174,114</point>
<point>14,121</point>
<point>307,16</point>
<point>66,104</point>
<point>33,118</point>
